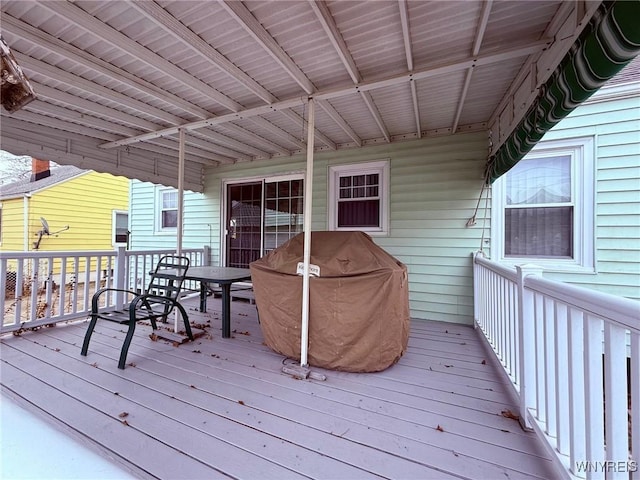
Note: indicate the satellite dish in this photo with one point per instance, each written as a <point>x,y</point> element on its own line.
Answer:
<point>45,231</point>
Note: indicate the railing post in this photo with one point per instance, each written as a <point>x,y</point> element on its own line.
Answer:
<point>526,343</point>
<point>206,258</point>
<point>120,274</point>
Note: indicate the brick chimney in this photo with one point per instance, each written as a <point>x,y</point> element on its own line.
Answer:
<point>39,169</point>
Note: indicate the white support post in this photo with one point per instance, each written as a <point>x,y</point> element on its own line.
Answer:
<point>180,192</point>
<point>526,343</point>
<point>308,192</point>
<point>120,275</point>
<point>180,209</point>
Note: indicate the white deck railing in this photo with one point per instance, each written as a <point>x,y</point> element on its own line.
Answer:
<point>43,288</point>
<point>573,358</point>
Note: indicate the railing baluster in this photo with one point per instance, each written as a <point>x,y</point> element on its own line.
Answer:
<point>615,394</point>
<point>562,378</point>
<point>76,281</point>
<point>550,367</point>
<point>541,376</point>
<point>19,292</point>
<point>634,373</point>
<point>577,414</point>
<point>594,395</point>
<point>34,290</point>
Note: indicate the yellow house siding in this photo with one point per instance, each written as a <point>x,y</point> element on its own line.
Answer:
<point>85,203</point>
<point>12,224</point>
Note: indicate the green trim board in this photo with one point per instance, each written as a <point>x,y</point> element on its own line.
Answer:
<point>608,44</point>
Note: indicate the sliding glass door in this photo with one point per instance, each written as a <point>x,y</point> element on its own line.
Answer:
<point>260,216</point>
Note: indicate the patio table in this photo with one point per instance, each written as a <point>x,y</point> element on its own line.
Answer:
<point>223,276</point>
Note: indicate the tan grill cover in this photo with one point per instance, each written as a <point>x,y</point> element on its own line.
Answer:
<point>358,306</point>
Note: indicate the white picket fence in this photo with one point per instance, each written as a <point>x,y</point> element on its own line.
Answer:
<point>573,358</point>
<point>43,288</point>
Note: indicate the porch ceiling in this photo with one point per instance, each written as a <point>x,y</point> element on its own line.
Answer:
<point>114,79</point>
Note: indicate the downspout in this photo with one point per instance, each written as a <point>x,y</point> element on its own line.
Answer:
<point>25,219</point>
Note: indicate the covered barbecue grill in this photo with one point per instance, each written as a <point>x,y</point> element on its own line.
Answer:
<point>358,304</point>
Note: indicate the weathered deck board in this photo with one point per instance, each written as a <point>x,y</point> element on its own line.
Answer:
<point>222,407</point>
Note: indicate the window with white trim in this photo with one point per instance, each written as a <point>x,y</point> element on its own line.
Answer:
<point>359,197</point>
<point>167,211</point>
<point>120,228</point>
<point>544,207</point>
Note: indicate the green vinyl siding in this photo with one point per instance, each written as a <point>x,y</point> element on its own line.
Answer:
<point>615,127</point>
<point>434,188</point>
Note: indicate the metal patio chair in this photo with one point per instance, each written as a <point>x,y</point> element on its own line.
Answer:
<point>158,301</point>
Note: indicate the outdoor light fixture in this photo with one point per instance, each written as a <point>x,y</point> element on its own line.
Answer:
<point>15,89</point>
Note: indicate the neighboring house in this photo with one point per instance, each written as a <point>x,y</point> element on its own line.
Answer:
<point>64,208</point>
<point>572,205</point>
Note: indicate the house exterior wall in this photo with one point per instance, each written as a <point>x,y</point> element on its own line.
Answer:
<point>85,203</point>
<point>434,189</point>
<point>12,224</point>
<point>612,118</point>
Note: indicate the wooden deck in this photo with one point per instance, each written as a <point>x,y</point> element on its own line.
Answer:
<point>222,408</point>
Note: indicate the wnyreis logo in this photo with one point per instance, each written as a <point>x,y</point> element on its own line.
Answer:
<point>608,466</point>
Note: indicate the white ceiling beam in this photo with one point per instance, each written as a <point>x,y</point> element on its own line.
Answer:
<point>277,131</point>
<point>50,94</point>
<point>281,106</point>
<point>195,43</point>
<point>94,110</point>
<point>325,18</point>
<point>74,14</point>
<point>240,147</point>
<point>246,19</point>
<point>482,27</point>
<point>75,81</point>
<point>406,37</point>
<point>406,34</point>
<point>322,13</point>
<point>368,100</point>
<point>335,116</point>
<point>416,108</point>
<point>65,50</point>
<point>66,120</point>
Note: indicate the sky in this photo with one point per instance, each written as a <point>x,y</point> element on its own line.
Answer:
<point>12,165</point>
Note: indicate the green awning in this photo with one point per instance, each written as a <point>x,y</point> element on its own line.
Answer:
<point>607,44</point>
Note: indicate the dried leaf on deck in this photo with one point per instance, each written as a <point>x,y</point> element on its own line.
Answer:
<point>123,414</point>
<point>439,428</point>
<point>483,362</point>
<point>510,414</point>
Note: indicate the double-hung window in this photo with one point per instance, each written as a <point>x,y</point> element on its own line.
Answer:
<point>543,208</point>
<point>167,209</point>
<point>359,196</point>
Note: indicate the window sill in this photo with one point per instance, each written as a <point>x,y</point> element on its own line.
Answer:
<point>551,266</point>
